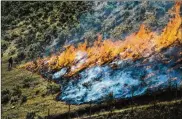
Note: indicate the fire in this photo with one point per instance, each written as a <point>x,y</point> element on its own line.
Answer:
<point>137,45</point>
<point>172,31</point>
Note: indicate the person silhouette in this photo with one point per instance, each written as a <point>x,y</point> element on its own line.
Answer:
<point>10,61</point>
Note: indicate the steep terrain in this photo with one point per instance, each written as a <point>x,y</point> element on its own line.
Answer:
<point>144,61</point>
<point>52,34</point>
<point>32,29</point>
<point>28,27</point>
<point>25,93</point>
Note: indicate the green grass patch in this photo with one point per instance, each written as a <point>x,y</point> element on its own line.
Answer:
<point>23,100</point>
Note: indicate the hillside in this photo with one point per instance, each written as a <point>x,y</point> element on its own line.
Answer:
<point>32,29</point>
<point>41,101</point>
<point>96,60</point>
<point>28,27</point>
<point>24,92</point>
<point>165,110</point>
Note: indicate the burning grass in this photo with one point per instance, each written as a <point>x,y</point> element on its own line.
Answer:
<point>135,46</point>
<point>143,61</point>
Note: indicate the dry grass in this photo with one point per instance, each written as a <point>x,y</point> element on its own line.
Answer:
<point>35,102</point>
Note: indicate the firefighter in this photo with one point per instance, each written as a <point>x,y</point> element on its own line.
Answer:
<point>10,61</point>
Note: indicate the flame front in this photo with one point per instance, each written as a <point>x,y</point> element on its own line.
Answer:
<point>135,46</point>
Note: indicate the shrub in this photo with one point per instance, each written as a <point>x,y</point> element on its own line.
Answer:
<point>37,92</point>
<point>43,95</point>
<point>4,45</point>
<point>4,92</point>
<point>12,51</point>
<point>28,82</point>
<point>6,96</point>
<point>14,99</point>
<point>16,91</point>
<point>39,117</point>
<point>23,99</point>
<point>53,88</point>
<point>30,115</point>
<point>20,56</point>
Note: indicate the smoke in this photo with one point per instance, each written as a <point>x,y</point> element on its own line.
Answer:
<point>95,83</point>
<point>107,16</point>
<point>144,62</point>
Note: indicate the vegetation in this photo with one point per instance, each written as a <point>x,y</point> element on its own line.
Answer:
<point>28,27</point>
<point>17,100</point>
<point>53,88</point>
<point>164,110</point>
<point>5,96</point>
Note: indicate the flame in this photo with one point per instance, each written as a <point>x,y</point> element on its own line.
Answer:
<point>137,45</point>
<point>172,32</point>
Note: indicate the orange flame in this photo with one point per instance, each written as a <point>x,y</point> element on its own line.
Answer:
<point>137,45</point>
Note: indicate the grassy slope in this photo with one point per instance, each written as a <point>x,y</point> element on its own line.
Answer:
<point>35,103</point>
<point>40,105</point>
<point>144,109</point>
